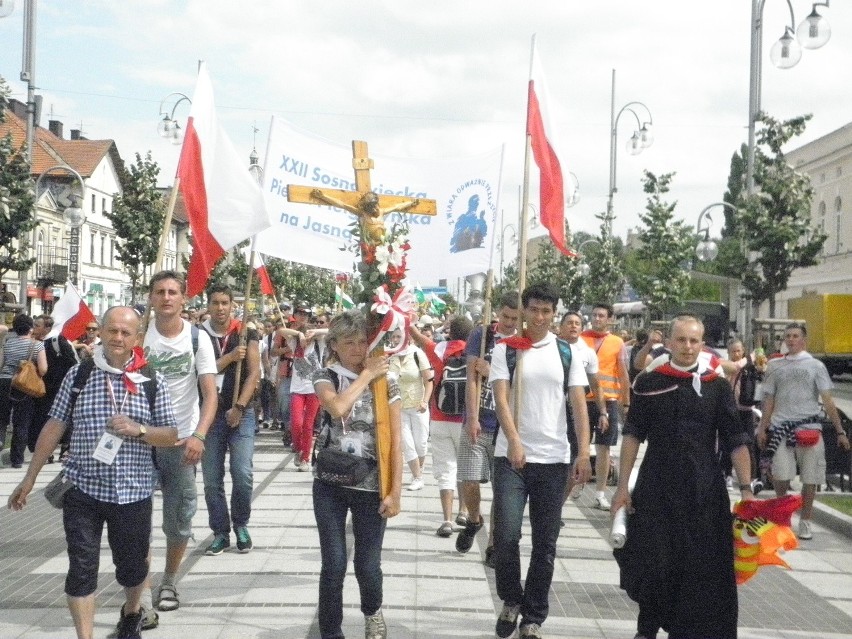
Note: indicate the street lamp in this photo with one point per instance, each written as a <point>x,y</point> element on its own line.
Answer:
<point>72,212</point>
<point>641,139</point>
<point>707,249</point>
<point>168,126</point>
<point>574,193</point>
<point>583,268</point>
<point>812,33</point>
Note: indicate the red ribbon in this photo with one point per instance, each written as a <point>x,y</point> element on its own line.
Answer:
<point>137,362</point>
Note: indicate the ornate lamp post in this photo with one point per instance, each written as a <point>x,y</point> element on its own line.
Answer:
<point>169,127</point>
<point>707,249</point>
<point>72,213</point>
<point>641,139</point>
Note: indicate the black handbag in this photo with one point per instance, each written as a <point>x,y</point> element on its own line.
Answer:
<point>339,468</point>
<point>55,491</point>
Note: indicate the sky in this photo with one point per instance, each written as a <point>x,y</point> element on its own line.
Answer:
<point>445,78</point>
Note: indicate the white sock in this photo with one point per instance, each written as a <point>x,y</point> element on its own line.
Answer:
<point>601,494</point>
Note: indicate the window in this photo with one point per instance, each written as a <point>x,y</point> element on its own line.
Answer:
<point>822,209</point>
<point>112,252</point>
<point>103,250</point>
<point>92,249</point>
<point>837,243</point>
<point>93,203</point>
<point>103,205</point>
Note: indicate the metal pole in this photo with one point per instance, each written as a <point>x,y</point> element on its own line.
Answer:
<point>28,76</point>
<point>613,134</point>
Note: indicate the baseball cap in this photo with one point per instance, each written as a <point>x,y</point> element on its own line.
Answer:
<point>303,307</point>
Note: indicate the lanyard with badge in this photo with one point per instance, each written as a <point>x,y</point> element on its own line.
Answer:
<point>108,446</point>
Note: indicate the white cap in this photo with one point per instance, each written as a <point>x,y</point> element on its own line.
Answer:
<point>425,320</point>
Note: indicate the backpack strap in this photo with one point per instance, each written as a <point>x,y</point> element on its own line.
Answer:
<point>511,361</point>
<point>565,355</point>
<point>194,333</point>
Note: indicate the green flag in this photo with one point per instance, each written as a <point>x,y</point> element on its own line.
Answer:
<point>342,299</point>
<point>438,306</point>
<point>419,295</point>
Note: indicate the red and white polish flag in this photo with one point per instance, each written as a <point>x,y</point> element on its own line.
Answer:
<point>71,315</point>
<point>551,192</point>
<point>223,201</point>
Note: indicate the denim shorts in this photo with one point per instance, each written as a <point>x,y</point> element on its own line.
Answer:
<point>610,437</point>
<point>128,533</point>
<point>180,496</point>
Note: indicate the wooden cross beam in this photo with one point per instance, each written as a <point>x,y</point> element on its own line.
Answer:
<point>371,208</point>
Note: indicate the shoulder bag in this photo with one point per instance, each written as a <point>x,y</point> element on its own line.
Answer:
<point>27,380</point>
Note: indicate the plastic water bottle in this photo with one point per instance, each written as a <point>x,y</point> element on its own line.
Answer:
<point>618,534</point>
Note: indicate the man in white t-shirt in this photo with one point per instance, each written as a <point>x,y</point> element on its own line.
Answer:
<point>184,356</point>
<point>791,421</point>
<point>532,457</point>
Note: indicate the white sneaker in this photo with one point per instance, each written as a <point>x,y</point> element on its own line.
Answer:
<point>416,484</point>
<point>729,482</point>
<point>602,503</point>
<point>305,467</point>
<point>805,531</point>
<point>577,491</point>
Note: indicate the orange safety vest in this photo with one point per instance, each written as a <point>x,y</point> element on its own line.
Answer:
<point>608,350</point>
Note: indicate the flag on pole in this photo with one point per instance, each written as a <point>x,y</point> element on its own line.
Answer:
<point>437,305</point>
<point>223,201</point>
<point>552,200</point>
<point>263,277</point>
<point>342,299</point>
<point>419,295</point>
<point>71,315</point>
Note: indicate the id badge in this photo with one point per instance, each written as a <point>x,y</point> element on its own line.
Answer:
<point>353,443</point>
<point>107,448</point>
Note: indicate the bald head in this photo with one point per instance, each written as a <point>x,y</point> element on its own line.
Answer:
<point>686,341</point>
<point>118,335</point>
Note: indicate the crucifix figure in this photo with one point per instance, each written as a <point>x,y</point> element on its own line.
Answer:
<point>371,209</point>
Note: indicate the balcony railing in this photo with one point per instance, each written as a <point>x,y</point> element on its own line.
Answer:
<point>52,264</point>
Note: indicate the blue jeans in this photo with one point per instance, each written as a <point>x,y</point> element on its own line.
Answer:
<point>543,485</point>
<point>239,442</point>
<point>282,396</point>
<point>331,505</point>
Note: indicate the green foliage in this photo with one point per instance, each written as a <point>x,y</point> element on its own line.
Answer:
<point>137,216</point>
<point>508,282</point>
<point>606,266</point>
<point>777,218</point>
<point>661,266</point>
<point>553,267</point>
<point>292,281</point>
<point>17,199</point>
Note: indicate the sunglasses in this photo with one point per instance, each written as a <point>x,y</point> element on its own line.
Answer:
<point>91,328</point>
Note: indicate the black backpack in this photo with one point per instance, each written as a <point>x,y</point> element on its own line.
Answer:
<point>565,355</point>
<point>450,389</point>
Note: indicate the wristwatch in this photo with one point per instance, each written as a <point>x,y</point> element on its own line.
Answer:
<point>240,407</point>
<point>143,430</point>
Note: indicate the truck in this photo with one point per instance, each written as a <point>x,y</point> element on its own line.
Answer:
<point>828,318</point>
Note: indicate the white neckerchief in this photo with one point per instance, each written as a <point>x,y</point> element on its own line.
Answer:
<point>342,371</point>
<point>100,361</point>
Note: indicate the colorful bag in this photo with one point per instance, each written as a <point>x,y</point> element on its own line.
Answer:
<point>807,438</point>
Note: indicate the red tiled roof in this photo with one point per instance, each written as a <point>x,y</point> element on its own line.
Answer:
<point>49,150</point>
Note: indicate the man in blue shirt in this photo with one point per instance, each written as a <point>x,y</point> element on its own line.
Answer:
<point>111,468</point>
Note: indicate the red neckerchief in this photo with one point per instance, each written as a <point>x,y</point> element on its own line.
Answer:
<point>136,363</point>
<point>671,371</point>
<point>704,371</point>
<point>518,342</point>
<point>595,334</point>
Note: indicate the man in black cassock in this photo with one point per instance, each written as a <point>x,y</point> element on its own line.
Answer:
<point>678,560</point>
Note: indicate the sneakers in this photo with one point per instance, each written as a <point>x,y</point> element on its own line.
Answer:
<point>602,503</point>
<point>756,486</point>
<point>445,529</point>
<point>465,539</point>
<point>243,540</point>
<point>577,491</point>
<point>805,531</point>
<point>220,542</point>
<point>375,627</point>
<point>130,626</point>
<point>531,630</point>
<point>305,466</point>
<point>507,622</point>
<point>150,618</point>
<point>416,484</point>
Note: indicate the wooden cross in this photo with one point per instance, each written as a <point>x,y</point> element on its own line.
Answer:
<point>370,208</point>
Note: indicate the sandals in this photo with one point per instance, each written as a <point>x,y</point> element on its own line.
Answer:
<point>167,598</point>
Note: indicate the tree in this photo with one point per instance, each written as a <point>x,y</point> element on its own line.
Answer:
<point>661,270</point>
<point>553,267</point>
<point>606,266</point>
<point>775,222</point>
<point>17,199</point>
<point>137,216</point>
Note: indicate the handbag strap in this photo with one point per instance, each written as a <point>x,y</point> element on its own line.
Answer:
<point>30,352</point>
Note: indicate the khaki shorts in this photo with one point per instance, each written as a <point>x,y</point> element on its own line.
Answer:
<point>811,461</point>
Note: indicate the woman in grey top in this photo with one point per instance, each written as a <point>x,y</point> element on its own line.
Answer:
<point>18,346</point>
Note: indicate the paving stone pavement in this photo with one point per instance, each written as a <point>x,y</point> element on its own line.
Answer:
<point>430,591</point>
